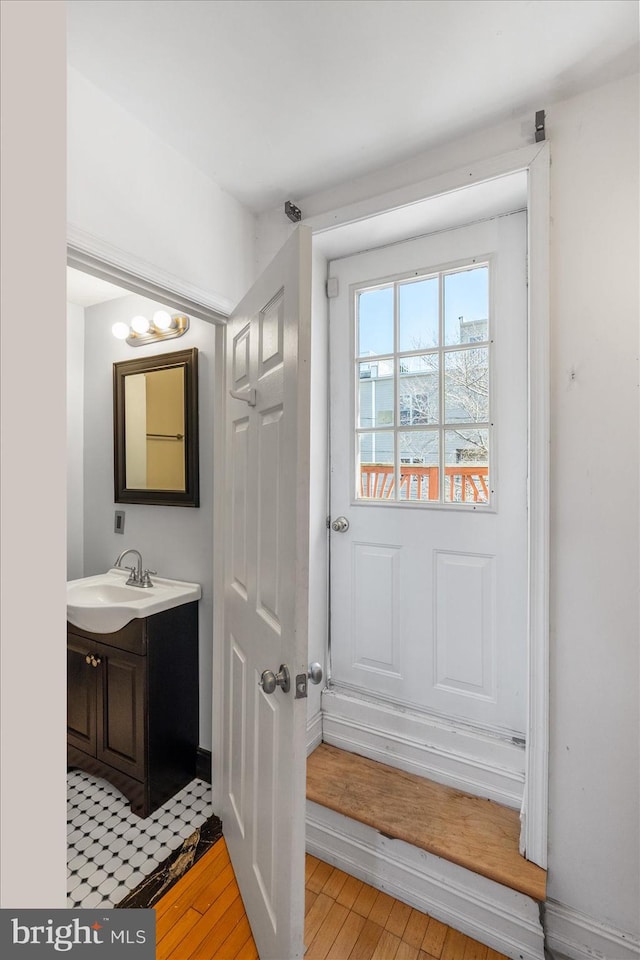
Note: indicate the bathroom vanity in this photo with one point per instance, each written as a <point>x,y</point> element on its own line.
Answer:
<point>132,704</point>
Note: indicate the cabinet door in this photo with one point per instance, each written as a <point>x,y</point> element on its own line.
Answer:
<point>81,696</point>
<point>121,710</point>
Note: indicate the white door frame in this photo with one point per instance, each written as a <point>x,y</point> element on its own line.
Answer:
<point>104,260</point>
<point>534,160</point>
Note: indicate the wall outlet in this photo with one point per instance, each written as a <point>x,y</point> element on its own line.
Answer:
<point>118,521</point>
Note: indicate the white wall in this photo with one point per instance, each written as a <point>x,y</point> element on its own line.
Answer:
<point>175,541</point>
<point>594,839</point>
<point>75,441</point>
<point>594,842</point>
<point>32,465</point>
<point>131,190</point>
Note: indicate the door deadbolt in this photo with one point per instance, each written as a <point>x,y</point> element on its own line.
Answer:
<point>314,674</point>
<point>270,680</point>
<point>340,525</point>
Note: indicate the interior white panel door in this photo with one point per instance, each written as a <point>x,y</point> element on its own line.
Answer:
<point>428,386</point>
<point>266,595</point>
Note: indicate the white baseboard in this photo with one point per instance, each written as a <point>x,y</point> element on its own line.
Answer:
<point>314,731</point>
<point>501,918</point>
<point>471,760</point>
<point>571,934</point>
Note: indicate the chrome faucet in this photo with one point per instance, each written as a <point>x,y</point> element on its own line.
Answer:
<point>139,577</point>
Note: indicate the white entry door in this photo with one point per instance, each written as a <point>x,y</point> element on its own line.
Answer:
<point>428,372</point>
<point>266,596</point>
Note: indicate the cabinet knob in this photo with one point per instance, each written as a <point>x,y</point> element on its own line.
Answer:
<point>95,661</point>
<point>87,659</point>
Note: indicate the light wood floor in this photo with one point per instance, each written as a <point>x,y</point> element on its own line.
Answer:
<point>478,834</point>
<point>202,918</point>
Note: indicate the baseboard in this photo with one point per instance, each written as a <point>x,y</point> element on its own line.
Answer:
<point>314,731</point>
<point>501,918</point>
<point>571,934</point>
<point>477,762</point>
<point>203,764</point>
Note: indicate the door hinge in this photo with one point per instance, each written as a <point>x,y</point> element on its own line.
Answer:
<point>292,212</point>
<point>332,287</point>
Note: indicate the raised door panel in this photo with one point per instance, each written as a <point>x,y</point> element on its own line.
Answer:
<point>122,711</point>
<point>81,697</point>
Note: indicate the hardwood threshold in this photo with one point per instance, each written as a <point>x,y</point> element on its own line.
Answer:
<point>474,833</point>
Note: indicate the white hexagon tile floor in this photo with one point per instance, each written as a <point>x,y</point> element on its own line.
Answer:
<point>110,849</point>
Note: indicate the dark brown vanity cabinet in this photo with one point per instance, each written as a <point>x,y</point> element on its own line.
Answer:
<point>132,705</point>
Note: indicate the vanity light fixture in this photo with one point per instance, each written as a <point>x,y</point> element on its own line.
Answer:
<point>140,330</point>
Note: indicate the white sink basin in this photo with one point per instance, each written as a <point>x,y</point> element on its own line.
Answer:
<point>104,603</point>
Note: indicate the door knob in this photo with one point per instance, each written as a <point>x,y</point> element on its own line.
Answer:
<point>270,680</point>
<point>315,672</point>
<point>340,525</point>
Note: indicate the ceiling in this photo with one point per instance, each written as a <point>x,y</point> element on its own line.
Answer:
<point>85,290</point>
<point>277,99</point>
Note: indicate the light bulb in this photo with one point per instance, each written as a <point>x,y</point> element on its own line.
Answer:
<point>120,330</point>
<point>162,320</point>
<point>140,324</point>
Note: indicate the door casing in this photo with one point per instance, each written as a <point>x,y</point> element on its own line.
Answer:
<point>329,231</point>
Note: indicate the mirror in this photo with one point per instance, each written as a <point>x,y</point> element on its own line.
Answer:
<point>155,419</point>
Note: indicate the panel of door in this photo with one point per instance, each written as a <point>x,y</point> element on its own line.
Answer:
<point>122,710</point>
<point>266,595</point>
<point>428,382</point>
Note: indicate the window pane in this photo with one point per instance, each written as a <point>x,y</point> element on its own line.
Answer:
<point>466,385</point>
<point>466,306</point>
<point>419,459</point>
<point>466,460</point>
<point>374,473</point>
<point>376,394</point>
<point>419,309</point>
<point>418,390</point>
<point>375,321</point>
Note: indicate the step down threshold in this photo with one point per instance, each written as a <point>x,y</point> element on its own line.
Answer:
<point>474,833</point>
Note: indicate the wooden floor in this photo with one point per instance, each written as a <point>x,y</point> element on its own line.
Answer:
<point>202,918</point>
<point>349,920</point>
<point>474,833</point>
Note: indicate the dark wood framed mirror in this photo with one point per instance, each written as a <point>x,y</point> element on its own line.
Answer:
<point>155,430</point>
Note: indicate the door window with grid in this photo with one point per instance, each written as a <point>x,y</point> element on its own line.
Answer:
<point>422,388</point>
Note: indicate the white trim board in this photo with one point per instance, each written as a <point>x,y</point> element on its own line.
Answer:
<point>463,757</point>
<point>535,808</point>
<point>501,918</point>
<point>101,259</point>
<point>314,732</point>
<point>578,937</point>
<point>473,173</point>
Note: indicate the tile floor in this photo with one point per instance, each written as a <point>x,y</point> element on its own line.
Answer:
<point>109,849</point>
